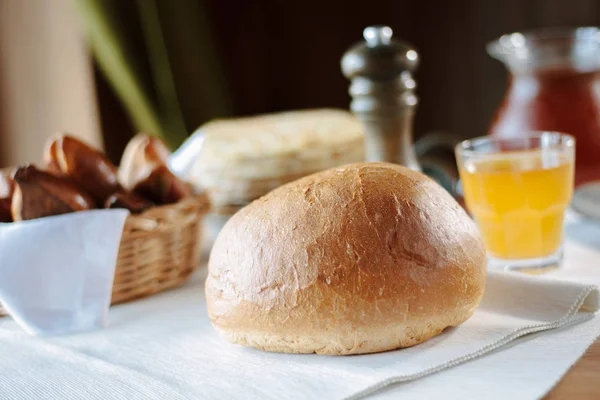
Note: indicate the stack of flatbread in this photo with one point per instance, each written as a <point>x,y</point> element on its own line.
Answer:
<point>245,158</point>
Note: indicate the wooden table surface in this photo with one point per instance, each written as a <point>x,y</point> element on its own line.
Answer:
<point>583,380</point>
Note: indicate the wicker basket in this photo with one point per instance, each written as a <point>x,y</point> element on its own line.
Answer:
<point>159,250</point>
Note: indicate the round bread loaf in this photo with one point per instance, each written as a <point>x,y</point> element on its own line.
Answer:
<point>358,259</point>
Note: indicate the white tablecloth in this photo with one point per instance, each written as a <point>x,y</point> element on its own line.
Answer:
<point>150,351</point>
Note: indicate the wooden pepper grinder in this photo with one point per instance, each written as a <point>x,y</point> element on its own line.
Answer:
<point>383,98</point>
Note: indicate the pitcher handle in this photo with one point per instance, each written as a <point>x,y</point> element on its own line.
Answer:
<point>435,152</point>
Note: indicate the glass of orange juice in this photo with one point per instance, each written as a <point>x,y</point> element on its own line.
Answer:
<point>518,190</point>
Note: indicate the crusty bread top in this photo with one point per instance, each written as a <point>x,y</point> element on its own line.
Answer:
<point>6,182</point>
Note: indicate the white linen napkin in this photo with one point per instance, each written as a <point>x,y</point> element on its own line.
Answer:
<point>164,346</point>
<point>56,273</point>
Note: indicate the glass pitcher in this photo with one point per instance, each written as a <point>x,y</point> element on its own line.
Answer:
<point>554,85</point>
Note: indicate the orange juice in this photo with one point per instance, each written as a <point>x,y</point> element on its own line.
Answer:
<point>518,200</point>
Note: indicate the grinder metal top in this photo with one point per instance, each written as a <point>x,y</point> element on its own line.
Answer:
<point>382,89</point>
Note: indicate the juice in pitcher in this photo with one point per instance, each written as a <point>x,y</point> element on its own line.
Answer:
<point>518,190</point>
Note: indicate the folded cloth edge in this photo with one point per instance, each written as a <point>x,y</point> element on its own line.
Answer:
<point>588,292</point>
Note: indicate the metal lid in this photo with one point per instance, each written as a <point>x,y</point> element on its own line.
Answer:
<point>379,57</point>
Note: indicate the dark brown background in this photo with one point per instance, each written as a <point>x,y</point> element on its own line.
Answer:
<point>280,55</point>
